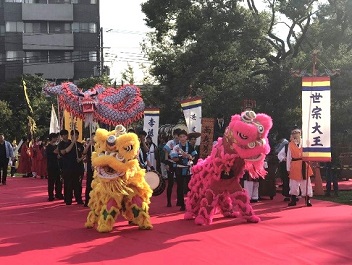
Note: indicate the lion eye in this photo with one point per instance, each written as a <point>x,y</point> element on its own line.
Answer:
<point>128,148</point>
<point>242,136</point>
<point>260,129</point>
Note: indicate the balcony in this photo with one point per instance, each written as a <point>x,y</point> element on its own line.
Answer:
<point>46,12</point>
<point>50,70</point>
<point>34,41</point>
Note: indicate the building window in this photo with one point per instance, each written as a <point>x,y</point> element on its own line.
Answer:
<point>74,1</point>
<point>13,56</point>
<point>60,56</point>
<point>93,56</point>
<point>76,56</point>
<point>35,1</point>
<point>2,30</point>
<point>13,1</point>
<point>59,1</point>
<point>36,57</point>
<point>92,28</point>
<point>14,26</point>
<point>37,27</point>
<point>84,27</point>
<point>93,2</point>
<point>57,27</point>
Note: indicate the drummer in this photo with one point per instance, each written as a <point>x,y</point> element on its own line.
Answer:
<point>143,152</point>
<point>192,138</point>
<point>170,164</point>
<point>183,154</point>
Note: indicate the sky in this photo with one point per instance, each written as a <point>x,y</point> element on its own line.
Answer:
<point>123,30</point>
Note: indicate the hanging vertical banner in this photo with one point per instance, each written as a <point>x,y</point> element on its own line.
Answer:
<point>73,123</point>
<point>54,122</point>
<point>207,137</point>
<point>316,119</point>
<point>151,123</point>
<point>192,110</point>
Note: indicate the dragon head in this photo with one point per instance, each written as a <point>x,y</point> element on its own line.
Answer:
<point>115,153</point>
<point>247,135</point>
<point>88,100</point>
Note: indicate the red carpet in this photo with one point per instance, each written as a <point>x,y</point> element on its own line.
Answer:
<point>34,231</point>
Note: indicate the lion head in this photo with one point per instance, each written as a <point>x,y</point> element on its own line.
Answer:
<point>247,135</point>
<point>115,153</point>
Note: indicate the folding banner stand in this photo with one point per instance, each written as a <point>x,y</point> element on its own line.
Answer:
<point>316,124</point>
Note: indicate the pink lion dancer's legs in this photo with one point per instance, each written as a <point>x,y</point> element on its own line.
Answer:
<point>207,209</point>
<point>226,205</point>
<point>241,199</point>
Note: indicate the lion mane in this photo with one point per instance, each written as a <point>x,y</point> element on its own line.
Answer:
<point>215,183</point>
<point>118,185</point>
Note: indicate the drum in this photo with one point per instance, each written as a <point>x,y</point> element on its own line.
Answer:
<point>155,182</point>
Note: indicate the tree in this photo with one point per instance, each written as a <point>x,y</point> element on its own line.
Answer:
<point>128,75</point>
<point>331,35</point>
<point>212,47</point>
<point>87,83</point>
<point>6,115</point>
<point>13,94</point>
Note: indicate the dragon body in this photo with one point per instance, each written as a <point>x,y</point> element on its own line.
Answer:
<point>108,105</point>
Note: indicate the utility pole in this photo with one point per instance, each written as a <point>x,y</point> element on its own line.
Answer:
<point>101,52</point>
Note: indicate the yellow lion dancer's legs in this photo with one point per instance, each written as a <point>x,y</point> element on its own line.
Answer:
<point>95,205</point>
<point>136,210</point>
<point>108,215</point>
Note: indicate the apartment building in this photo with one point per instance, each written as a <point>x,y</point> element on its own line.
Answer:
<point>57,39</point>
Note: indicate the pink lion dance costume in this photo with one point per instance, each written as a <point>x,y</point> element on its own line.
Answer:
<point>215,184</point>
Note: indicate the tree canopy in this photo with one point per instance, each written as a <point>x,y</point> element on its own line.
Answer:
<point>229,51</point>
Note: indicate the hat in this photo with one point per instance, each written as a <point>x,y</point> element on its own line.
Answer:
<point>194,135</point>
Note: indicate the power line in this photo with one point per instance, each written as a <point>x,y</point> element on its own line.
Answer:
<point>123,31</point>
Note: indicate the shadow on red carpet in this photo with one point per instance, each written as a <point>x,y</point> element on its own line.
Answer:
<point>35,231</point>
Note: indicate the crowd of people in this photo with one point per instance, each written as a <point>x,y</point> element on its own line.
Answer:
<point>64,162</point>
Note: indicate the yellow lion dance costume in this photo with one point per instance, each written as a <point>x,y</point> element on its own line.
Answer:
<point>118,186</point>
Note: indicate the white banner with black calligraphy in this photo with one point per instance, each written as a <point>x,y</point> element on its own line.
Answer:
<point>192,110</point>
<point>151,123</point>
<point>316,119</point>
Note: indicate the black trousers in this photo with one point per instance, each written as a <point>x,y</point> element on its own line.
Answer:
<point>3,170</point>
<point>285,179</point>
<point>72,185</point>
<point>187,179</point>
<point>54,183</point>
<point>88,184</point>
<point>180,180</point>
<point>170,185</point>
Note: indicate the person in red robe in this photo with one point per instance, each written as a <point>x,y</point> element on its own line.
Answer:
<point>35,155</point>
<point>25,164</point>
<point>41,167</point>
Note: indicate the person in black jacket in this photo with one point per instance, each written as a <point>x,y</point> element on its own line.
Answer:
<point>53,169</point>
<point>219,127</point>
<point>72,166</point>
